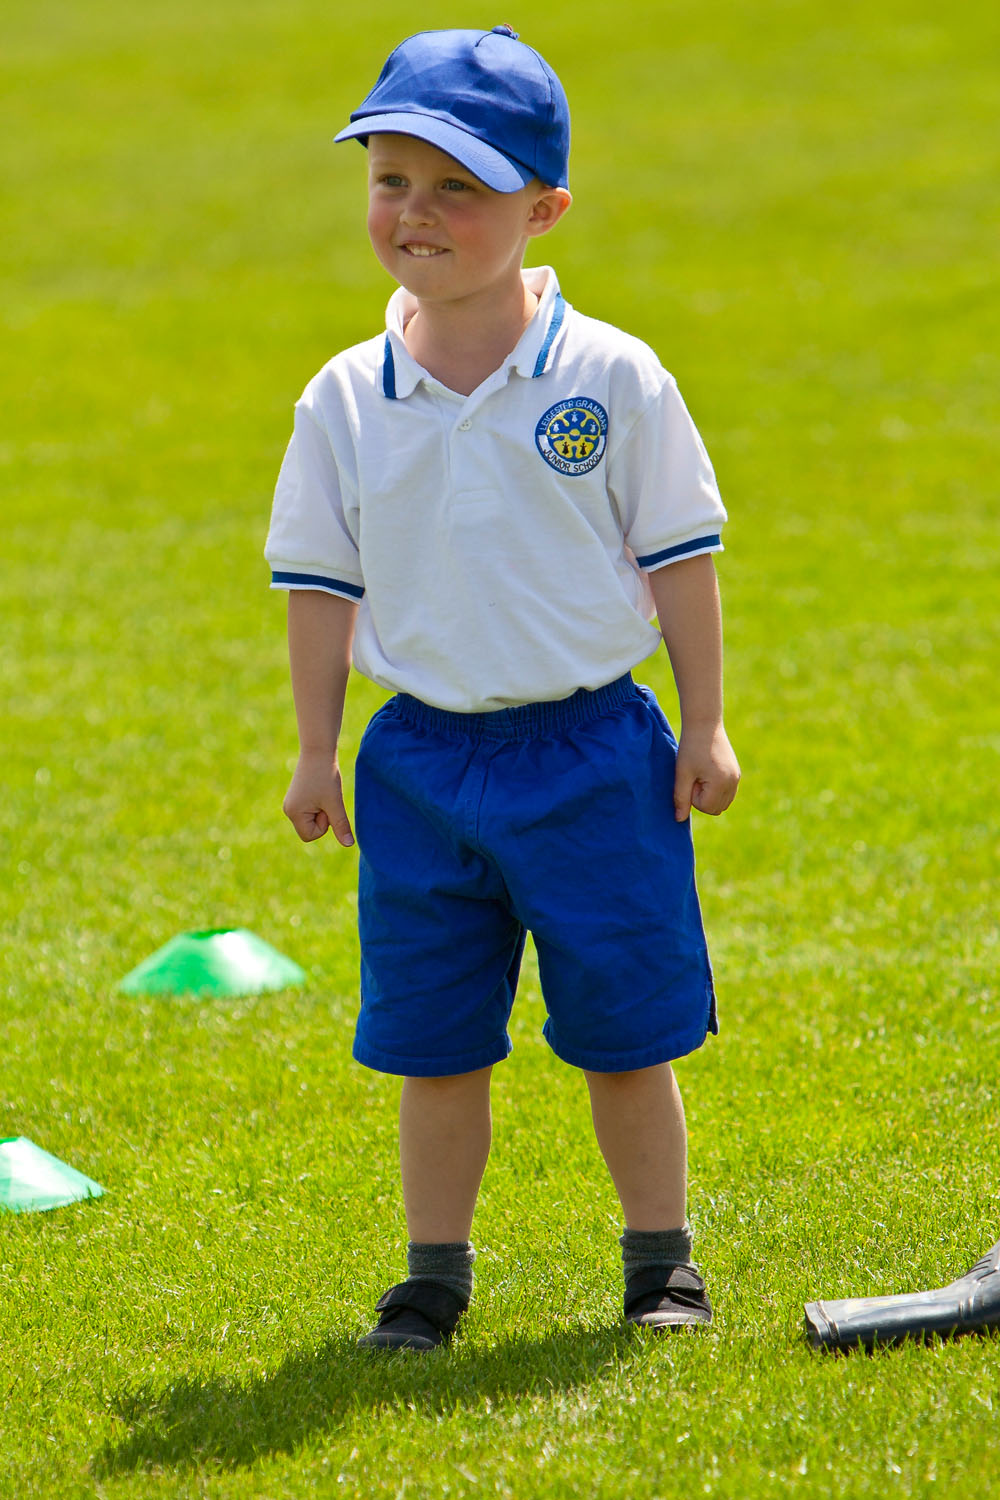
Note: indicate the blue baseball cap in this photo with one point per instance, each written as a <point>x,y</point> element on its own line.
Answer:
<point>482,97</point>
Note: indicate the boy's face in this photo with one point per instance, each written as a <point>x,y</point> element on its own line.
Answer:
<point>439,231</point>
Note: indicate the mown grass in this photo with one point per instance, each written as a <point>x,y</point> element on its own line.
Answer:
<point>797,208</point>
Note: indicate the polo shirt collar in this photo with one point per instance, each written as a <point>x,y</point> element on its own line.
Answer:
<point>530,354</point>
<point>400,374</point>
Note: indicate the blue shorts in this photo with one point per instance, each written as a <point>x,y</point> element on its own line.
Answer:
<point>553,818</point>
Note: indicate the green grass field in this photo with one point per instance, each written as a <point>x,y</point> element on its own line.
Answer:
<point>796,204</point>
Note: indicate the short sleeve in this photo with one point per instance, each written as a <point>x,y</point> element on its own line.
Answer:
<point>663,485</point>
<point>310,544</point>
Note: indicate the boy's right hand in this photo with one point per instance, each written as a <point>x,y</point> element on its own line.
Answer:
<point>314,801</point>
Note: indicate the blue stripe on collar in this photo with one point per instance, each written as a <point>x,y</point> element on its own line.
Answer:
<point>558,312</point>
<point>388,372</point>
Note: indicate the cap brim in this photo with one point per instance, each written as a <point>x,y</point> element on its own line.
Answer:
<point>498,171</point>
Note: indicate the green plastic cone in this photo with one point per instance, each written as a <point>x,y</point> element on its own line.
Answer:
<point>224,961</point>
<point>31,1180</point>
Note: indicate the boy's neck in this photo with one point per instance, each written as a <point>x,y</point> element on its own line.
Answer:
<point>461,343</point>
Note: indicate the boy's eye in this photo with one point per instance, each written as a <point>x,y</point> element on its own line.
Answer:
<point>391,179</point>
<point>454,185</point>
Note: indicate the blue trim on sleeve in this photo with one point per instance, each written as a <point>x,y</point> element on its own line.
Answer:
<point>316,581</point>
<point>558,312</point>
<point>388,372</point>
<point>700,544</point>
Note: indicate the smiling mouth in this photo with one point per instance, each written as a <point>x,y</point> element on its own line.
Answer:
<point>424,250</point>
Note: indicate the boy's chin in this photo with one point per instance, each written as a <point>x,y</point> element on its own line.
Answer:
<point>419,277</point>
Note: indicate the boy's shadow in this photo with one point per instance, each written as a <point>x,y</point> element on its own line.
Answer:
<point>226,1422</point>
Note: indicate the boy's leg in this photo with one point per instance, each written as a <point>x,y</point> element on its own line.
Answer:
<point>440,955</point>
<point>444,1140</point>
<point>639,1122</point>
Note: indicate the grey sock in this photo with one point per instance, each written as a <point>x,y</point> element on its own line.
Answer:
<point>644,1249</point>
<point>449,1265</point>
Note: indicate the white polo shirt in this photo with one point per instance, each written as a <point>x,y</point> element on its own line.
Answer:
<point>496,542</point>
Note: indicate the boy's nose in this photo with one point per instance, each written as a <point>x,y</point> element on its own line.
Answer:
<point>417,210</point>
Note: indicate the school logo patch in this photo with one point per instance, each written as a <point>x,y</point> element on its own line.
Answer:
<point>572,435</point>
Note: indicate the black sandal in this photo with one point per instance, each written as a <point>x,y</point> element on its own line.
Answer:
<point>667,1297</point>
<point>415,1315</point>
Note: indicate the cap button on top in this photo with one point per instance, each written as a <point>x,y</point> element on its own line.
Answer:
<point>506,30</point>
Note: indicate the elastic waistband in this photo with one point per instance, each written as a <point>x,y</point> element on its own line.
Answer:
<point>527,721</point>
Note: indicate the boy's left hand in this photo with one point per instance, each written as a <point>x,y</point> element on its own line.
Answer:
<point>707,773</point>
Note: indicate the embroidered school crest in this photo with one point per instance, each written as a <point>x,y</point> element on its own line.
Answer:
<point>572,435</point>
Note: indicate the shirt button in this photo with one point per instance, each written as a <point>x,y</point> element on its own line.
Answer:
<point>464,426</point>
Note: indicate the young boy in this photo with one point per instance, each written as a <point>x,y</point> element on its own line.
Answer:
<point>486,503</point>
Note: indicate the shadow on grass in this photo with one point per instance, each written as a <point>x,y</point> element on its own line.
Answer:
<point>227,1423</point>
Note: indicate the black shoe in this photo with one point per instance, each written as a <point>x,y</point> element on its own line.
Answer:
<point>666,1298</point>
<point>969,1305</point>
<point>415,1315</point>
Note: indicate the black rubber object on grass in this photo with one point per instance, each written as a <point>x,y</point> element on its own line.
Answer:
<point>969,1305</point>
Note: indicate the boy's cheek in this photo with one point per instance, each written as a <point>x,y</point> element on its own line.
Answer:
<point>379,222</point>
<point>381,243</point>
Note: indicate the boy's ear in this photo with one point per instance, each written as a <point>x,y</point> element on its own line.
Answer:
<point>547,208</point>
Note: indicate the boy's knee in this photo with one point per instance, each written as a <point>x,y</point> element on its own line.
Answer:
<point>634,1078</point>
<point>450,1083</point>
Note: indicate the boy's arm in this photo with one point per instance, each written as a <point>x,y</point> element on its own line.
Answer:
<point>686,595</point>
<point>320,633</point>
